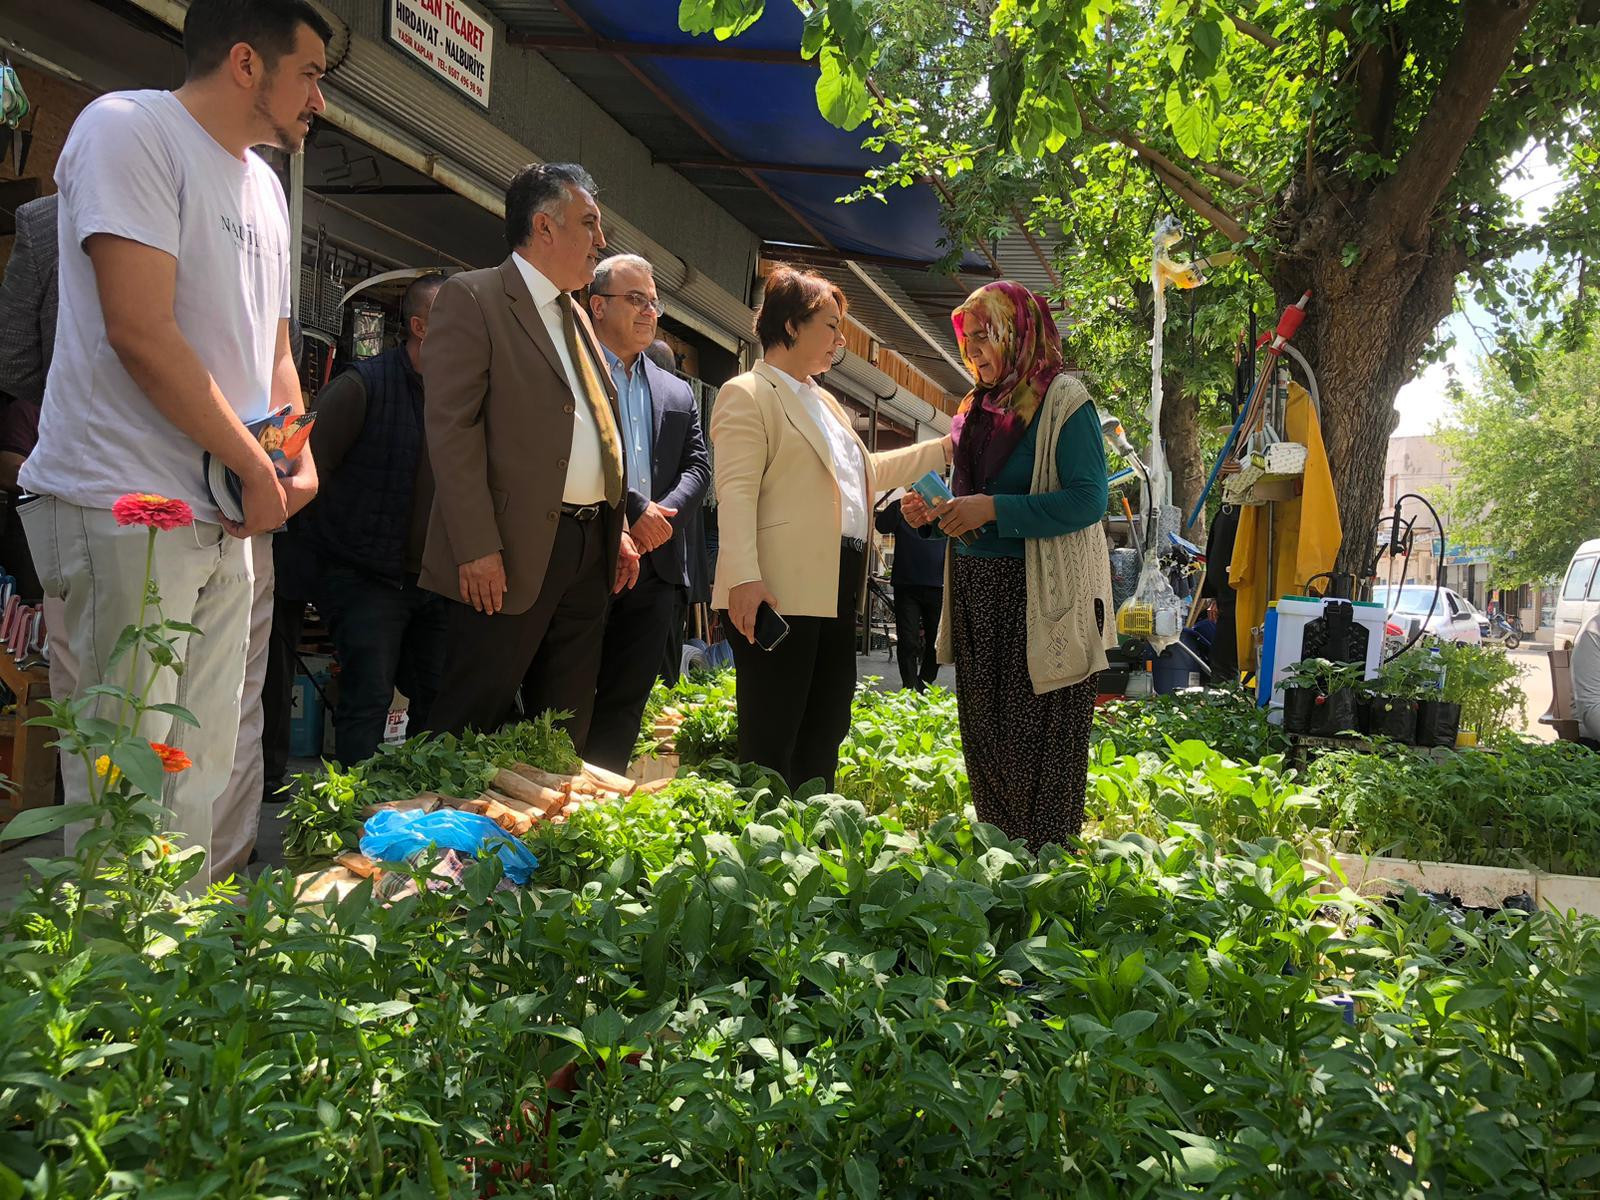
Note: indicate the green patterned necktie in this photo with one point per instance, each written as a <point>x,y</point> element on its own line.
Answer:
<point>599,403</point>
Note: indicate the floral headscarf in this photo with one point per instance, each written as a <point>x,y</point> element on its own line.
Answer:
<point>993,417</point>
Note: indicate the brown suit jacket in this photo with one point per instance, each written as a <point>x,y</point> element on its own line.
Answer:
<point>499,417</point>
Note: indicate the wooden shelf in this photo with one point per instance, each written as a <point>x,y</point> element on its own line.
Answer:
<point>33,759</point>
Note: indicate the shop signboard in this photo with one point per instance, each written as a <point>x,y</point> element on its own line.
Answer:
<point>448,38</point>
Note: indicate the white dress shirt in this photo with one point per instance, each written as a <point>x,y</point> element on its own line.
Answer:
<point>586,477</point>
<point>848,469</point>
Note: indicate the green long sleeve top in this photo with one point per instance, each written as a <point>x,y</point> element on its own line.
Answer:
<point>1080,502</point>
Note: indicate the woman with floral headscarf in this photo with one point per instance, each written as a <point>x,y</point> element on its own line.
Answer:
<point>1029,617</point>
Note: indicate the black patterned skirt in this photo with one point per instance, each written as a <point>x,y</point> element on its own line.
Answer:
<point>1027,755</point>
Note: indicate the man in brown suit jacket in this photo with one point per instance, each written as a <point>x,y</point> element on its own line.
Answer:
<point>527,530</point>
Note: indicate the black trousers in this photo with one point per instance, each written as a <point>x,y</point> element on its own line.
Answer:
<point>551,651</point>
<point>916,630</point>
<point>672,656</point>
<point>387,637</point>
<point>638,629</point>
<point>794,702</point>
<point>277,692</point>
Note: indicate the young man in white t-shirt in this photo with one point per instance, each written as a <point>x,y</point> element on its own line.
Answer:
<point>175,268</point>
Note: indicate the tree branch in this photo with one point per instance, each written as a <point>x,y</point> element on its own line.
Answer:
<point>1188,189</point>
<point>1229,176</point>
<point>1490,30</point>
<point>1251,30</point>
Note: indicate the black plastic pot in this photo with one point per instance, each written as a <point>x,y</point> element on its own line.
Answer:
<point>1337,714</point>
<point>1364,705</point>
<point>1299,704</point>
<point>1395,719</point>
<point>1438,722</point>
<point>1112,682</point>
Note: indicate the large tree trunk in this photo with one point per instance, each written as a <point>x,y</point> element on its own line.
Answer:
<point>1365,329</point>
<point>1180,435</point>
<point>1370,320</point>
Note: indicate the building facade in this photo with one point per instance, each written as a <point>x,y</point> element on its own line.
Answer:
<point>1420,466</point>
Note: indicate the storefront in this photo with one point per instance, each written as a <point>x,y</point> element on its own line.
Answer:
<point>408,168</point>
<point>406,172</point>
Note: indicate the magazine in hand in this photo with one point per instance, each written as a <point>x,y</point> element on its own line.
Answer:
<point>281,435</point>
<point>931,487</point>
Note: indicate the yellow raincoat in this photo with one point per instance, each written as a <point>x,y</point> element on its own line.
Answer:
<point>1306,532</point>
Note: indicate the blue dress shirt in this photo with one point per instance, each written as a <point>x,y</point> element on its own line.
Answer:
<point>638,422</point>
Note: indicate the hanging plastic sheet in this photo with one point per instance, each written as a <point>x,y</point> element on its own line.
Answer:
<point>1155,611</point>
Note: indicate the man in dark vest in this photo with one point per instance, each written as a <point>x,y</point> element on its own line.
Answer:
<point>918,582</point>
<point>368,528</point>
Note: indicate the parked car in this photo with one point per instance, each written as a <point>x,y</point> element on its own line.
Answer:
<point>1446,614</point>
<point>1580,594</point>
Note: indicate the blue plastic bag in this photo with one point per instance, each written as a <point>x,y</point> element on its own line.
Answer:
<point>390,836</point>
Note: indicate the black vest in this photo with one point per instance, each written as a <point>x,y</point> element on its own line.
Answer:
<point>362,515</point>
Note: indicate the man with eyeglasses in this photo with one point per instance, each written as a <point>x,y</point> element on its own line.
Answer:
<point>668,471</point>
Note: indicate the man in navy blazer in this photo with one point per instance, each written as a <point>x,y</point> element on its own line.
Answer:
<point>668,471</point>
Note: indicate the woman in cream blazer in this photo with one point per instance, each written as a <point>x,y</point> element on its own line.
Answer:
<point>795,491</point>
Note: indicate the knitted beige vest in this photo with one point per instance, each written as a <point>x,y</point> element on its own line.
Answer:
<point>1070,622</point>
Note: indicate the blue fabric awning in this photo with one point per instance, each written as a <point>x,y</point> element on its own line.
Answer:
<point>767,113</point>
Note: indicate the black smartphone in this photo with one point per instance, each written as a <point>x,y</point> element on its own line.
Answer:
<point>771,629</point>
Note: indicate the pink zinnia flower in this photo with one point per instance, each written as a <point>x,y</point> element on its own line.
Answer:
<point>152,511</point>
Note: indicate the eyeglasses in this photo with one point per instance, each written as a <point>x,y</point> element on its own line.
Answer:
<point>638,299</point>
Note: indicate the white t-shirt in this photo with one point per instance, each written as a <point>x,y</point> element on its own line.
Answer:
<point>1585,667</point>
<point>849,470</point>
<point>139,166</point>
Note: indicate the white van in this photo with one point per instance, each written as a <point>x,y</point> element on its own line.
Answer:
<point>1580,594</point>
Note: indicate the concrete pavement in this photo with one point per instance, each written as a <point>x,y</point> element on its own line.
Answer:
<point>1530,657</point>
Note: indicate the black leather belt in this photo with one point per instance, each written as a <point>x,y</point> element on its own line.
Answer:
<point>581,512</point>
<point>859,545</point>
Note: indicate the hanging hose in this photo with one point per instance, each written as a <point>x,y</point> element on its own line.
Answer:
<point>1438,582</point>
<point>1276,343</point>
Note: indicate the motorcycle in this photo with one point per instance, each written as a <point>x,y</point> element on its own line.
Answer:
<point>1499,631</point>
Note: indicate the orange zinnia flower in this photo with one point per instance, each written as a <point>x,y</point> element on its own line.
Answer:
<point>152,511</point>
<point>172,759</point>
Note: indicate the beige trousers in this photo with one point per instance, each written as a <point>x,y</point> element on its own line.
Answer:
<point>94,569</point>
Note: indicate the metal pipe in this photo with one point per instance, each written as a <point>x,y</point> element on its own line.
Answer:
<point>373,223</point>
<point>899,311</point>
<point>408,154</point>
<point>297,222</point>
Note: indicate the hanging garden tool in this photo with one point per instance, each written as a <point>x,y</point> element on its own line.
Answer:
<point>1154,611</point>
<point>1283,463</point>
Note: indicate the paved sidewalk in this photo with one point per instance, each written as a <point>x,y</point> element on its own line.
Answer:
<point>1530,657</point>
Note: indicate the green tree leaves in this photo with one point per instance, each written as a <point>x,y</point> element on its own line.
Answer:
<point>721,18</point>
<point>1527,465</point>
<point>842,91</point>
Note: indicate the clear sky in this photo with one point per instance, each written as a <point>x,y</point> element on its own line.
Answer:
<point>1423,403</point>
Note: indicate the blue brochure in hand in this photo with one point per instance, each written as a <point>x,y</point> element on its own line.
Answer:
<point>933,491</point>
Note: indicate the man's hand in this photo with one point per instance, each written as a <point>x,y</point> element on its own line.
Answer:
<point>483,583</point>
<point>627,565</point>
<point>743,601</point>
<point>964,513</point>
<point>915,511</point>
<point>300,484</point>
<point>265,506</point>
<point>653,528</point>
